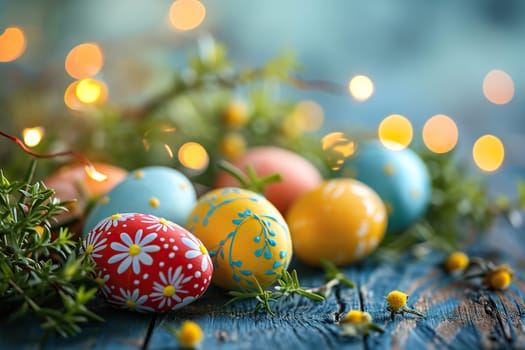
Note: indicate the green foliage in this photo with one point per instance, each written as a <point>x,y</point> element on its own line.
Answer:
<point>42,272</point>
<point>288,286</point>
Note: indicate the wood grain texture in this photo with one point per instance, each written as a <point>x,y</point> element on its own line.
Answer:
<point>459,314</point>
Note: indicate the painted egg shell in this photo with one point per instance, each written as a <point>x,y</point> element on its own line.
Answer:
<point>156,190</point>
<point>146,263</point>
<point>298,174</point>
<point>400,178</point>
<point>72,183</point>
<point>246,235</point>
<point>341,221</point>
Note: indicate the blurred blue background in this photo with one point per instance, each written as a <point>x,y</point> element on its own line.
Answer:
<point>424,57</point>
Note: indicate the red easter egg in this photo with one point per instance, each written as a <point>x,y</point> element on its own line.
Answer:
<point>145,263</point>
<point>298,174</point>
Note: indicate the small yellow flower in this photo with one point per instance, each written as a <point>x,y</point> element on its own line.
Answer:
<point>357,317</point>
<point>456,261</point>
<point>396,300</point>
<point>189,335</point>
<point>232,145</point>
<point>235,114</point>
<point>499,278</point>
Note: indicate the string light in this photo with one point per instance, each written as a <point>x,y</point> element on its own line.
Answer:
<point>361,87</point>
<point>12,44</point>
<point>168,150</point>
<point>33,136</point>
<point>395,132</point>
<point>193,156</point>
<point>488,153</point>
<point>90,91</point>
<point>308,115</point>
<point>84,61</point>
<point>440,134</point>
<point>186,14</point>
<point>89,168</point>
<point>498,87</point>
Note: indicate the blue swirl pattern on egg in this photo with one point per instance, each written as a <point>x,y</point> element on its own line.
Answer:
<point>400,177</point>
<point>157,190</point>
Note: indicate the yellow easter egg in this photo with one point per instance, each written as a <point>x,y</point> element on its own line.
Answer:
<point>341,221</point>
<point>245,235</point>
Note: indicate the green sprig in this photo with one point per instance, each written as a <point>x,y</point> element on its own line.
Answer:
<point>288,286</point>
<point>42,273</point>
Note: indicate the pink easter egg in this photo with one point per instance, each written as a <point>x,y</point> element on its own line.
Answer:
<point>298,174</point>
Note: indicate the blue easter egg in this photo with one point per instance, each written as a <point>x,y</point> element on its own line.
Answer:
<point>400,178</point>
<point>156,190</point>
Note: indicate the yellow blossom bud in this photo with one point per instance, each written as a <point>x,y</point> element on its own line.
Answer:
<point>189,335</point>
<point>232,145</point>
<point>236,114</point>
<point>396,300</point>
<point>456,261</point>
<point>500,278</point>
<point>357,317</point>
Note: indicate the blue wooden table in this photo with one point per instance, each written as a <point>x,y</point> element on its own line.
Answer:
<point>459,314</point>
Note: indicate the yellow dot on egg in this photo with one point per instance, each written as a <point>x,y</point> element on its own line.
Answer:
<point>115,216</point>
<point>163,222</point>
<point>134,250</point>
<point>389,169</point>
<point>183,186</point>
<point>415,194</point>
<point>89,248</point>
<point>131,304</point>
<point>138,174</point>
<point>389,208</point>
<point>169,291</point>
<point>154,202</point>
<point>203,249</point>
<point>104,200</point>
<point>100,281</point>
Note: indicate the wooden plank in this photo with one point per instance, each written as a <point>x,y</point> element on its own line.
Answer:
<point>298,324</point>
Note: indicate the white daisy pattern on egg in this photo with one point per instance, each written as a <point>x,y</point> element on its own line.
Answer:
<point>142,264</point>
<point>94,244</point>
<point>131,300</point>
<point>133,252</point>
<point>197,249</point>
<point>157,224</point>
<point>112,221</point>
<point>102,279</point>
<point>170,287</point>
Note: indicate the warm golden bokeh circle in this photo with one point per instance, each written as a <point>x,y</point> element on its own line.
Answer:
<point>440,134</point>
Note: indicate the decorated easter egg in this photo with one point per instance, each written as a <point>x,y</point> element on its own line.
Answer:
<point>156,190</point>
<point>72,184</point>
<point>246,236</point>
<point>400,178</point>
<point>341,221</point>
<point>146,263</point>
<point>298,174</point>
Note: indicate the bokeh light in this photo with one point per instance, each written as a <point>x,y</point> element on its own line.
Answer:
<point>12,44</point>
<point>361,87</point>
<point>338,148</point>
<point>84,61</point>
<point>498,87</point>
<point>193,156</point>
<point>90,91</point>
<point>33,136</point>
<point>186,14</point>
<point>309,115</point>
<point>70,97</point>
<point>488,153</point>
<point>395,132</point>
<point>440,134</point>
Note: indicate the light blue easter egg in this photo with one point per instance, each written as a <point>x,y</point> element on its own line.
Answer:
<point>157,190</point>
<point>400,178</point>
